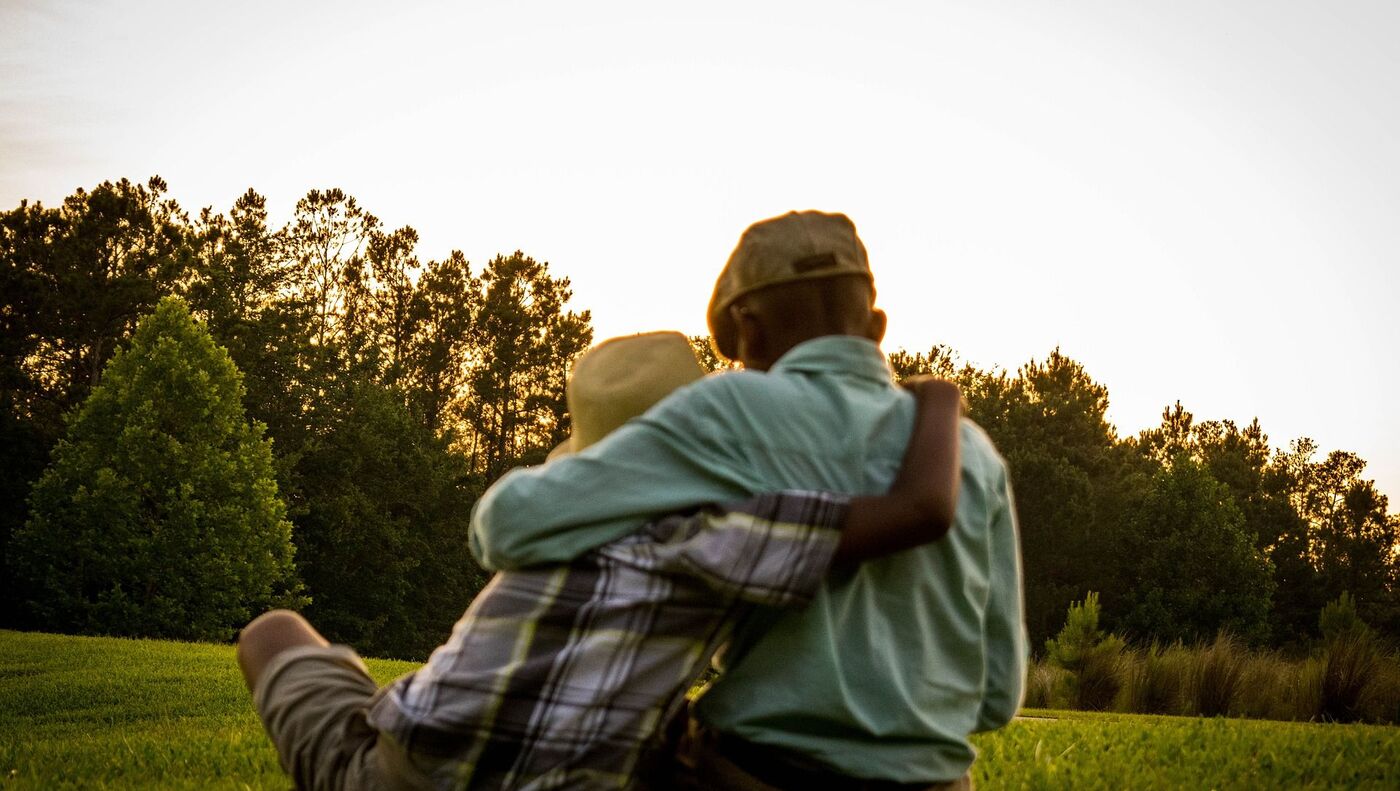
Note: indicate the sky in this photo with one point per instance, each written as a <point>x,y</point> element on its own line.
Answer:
<point>1196,200</point>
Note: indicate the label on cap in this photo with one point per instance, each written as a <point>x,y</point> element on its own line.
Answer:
<point>813,262</point>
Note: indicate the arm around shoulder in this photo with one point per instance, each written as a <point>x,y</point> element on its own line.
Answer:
<point>494,534</point>
<point>922,502</point>
<point>652,466</point>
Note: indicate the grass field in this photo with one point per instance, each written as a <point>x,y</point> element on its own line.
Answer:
<point>79,712</point>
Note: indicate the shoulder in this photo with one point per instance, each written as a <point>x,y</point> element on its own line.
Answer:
<point>719,396</point>
<point>975,438</point>
<point>980,457</point>
<point>722,384</point>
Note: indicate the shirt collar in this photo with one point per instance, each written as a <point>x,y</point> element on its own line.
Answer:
<point>837,354</point>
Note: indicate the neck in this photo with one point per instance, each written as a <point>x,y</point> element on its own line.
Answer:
<point>775,351</point>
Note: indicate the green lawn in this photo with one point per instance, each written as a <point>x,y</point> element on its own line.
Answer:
<point>81,712</point>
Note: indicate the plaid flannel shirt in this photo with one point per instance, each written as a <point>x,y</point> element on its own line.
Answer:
<point>564,676</point>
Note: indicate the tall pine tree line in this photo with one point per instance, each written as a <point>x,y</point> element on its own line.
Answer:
<point>1185,529</point>
<point>394,390</point>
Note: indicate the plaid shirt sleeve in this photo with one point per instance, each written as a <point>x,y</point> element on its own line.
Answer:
<point>771,549</point>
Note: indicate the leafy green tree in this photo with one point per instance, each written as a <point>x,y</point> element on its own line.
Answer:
<point>440,352</point>
<point>1197,570</point>
<point>710,360</point>
<point>1338,619</point>
<point>74,279</point>
<point>1088,653</point>
<point>523,343</point>
<point>1237,457</point>
<point>365,373</point>
<point>1352,541</point>
<point>92,268</point>
<point>382,527</point>
<point>159,515</point>
<point>389,298</point>
<point>1262,489</point>
<point>245,290</point>
<point>325,242</point>
<point>237,269</point>
<point>1074,481</point>
<point>940,361</point>
<point>26,450</point>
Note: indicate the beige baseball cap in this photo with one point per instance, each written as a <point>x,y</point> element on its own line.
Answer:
<point>620,379</point>
<point>806,245</point>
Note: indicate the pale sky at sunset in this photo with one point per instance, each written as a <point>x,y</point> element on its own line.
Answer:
<point>1196,200</point>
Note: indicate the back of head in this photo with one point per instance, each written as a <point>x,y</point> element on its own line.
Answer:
<point>801,275</point>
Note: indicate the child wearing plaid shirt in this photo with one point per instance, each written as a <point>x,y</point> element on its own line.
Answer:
<point>564,676</point>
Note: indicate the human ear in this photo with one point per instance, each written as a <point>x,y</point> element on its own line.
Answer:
<point>750,338</point>
<point>875,329</point>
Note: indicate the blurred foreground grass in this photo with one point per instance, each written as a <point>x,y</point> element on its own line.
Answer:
<point>84,712</point>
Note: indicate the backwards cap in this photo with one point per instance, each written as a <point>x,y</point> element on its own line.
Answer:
<point>808,245</point>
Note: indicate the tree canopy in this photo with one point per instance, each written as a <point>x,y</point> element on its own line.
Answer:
<point>394,389</point>
<point>159,515</point>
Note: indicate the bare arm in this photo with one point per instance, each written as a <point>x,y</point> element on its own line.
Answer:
<point>922,501</point>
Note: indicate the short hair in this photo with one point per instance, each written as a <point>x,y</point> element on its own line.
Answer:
<point>837,305</point>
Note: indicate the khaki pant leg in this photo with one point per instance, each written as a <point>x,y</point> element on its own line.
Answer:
<point>314,702</point>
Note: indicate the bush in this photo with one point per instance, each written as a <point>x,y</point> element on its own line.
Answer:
<point>1047,686</point>
<point>1381,703</point>
<point>1338,619</point>
<point>1214,678</point>
<point>1097,682</point>
<point>1088,654</point>
<point>1351,661</point>
<point>1272,687</point>
<point>1152,680</point>
<point>1351,679</point>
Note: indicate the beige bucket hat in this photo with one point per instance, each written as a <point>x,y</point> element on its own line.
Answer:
<point>805,245</point>
<point>620,379</point>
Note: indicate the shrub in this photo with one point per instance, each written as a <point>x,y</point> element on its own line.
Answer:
<point>1381,703</point>
<point>1339,619</point>
<point>1214,677</point>
<point>1088,654</point>
<point>1353,679</point>
<point>1272,687</point>
<point>1351,660</point>
<point>1153,679</point>
<point>1097,682</point>
<point>1302,699</point>
<point>1047,686</point>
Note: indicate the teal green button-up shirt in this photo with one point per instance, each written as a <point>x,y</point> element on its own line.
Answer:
<point>893,664</point>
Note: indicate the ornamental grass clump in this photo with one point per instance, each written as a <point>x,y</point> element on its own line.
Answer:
<point>1153,679</point>
<point>1355,674</point>
<point>1272,687</point>
<point>1352,675</point>
<point>1381,703</point>
<point>1046,686</point>
<point>1215,675</point>
<point>1351,661</point>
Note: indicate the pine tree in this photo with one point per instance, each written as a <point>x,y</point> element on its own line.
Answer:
<point>159,514</point>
